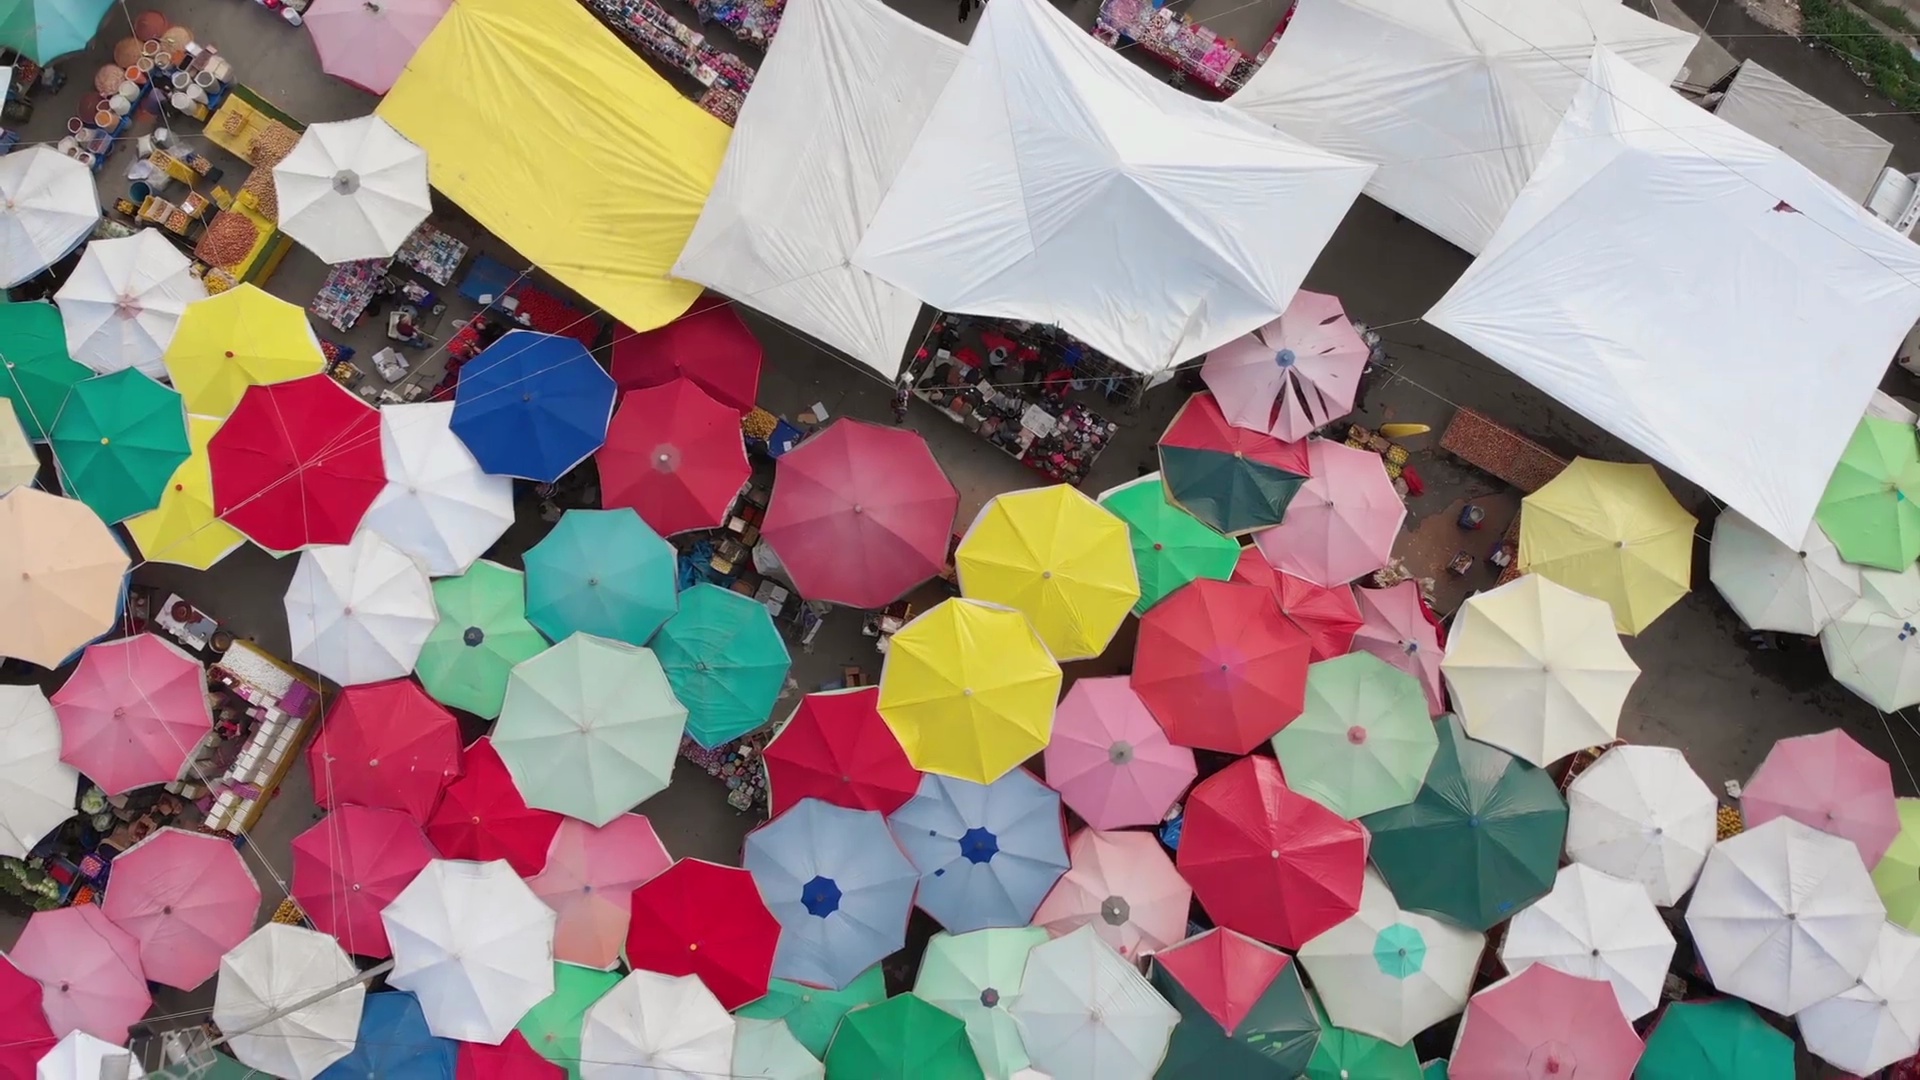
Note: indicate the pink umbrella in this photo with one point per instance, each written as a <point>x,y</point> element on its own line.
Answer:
<point>1343,521</point>
<point>1329,617</point>
<point>1109,759</point>
<point>187,898</point>
<point>1123,885</point>
<point>132,712</point>
<point>368,42</point>
<point>1396,629</point>
<point>589,880</point>
<point>352,864</point>
<point>1292,375</point>
<point>1543,1024</point>
<point>1827,782</point>
<point>88,970</point>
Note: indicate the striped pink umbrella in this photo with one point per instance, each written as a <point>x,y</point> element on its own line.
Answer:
<point>1109,759</point>
<point>1343,521</point>
<point>589,880</point>
<point>1123,885</point>
<point>187,898</point>
<point>88,970</point>
<point>1543,1024</point>
<point>1395,628</point>
<point>1294,374</point>
<point>1829,782</point>
<point>132,712</point>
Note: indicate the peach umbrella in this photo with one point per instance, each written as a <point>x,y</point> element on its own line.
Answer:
<point>61,576</point>
<point>589,880</point>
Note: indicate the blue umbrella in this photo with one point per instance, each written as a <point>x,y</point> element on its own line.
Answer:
<point>533,405</point>
<point>601,572</point>
<point>725,660</point>
<point>394,1044</point>
<point>987,853</point>
<point>839,886</point>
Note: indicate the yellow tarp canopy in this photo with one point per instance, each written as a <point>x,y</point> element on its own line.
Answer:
<point>546,128</point>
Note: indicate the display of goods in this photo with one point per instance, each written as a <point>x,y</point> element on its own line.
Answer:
<point>109,78</point>
<point>1727,823</point>
<point>228,240</point>
<point>272,145</point>
<point>265,196</point>
<point>758,424</point>
<point>149,26</point>
<point>126,52</point>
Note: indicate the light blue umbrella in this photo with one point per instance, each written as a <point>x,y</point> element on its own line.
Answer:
<point>839,886</point>
<point>725,660</point>
<point>601,572</point>
<point>987,853</point>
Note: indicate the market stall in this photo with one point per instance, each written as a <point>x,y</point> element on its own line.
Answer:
<point>1174,37</point>
<point>752,21</point>
<point>725,77</point>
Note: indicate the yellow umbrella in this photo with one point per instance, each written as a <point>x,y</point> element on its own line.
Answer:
<point>1059,558</point>
<point>1614,532</point>
<point>968,688</point>
<point>236,339</point>
<point>61,572</point>
<point>183,529</point>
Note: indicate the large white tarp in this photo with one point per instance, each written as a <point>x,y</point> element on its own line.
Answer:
<point>1456,100</point>
<point>846,87</point>
<point>1694,291</point>
<point>1057,182</point>
<point>1827,141</point>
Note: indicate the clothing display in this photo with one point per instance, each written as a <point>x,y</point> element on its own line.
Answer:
<point>432,254</point>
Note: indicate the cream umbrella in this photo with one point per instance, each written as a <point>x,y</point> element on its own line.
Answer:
<point>1876,1021</point>
<point>1611,530</point>
<point>61,576</point>
<point>1391,973</point>
<point>352,189</point>
<point>656,1027</point>
<point>48,204</point>
<point>123,301</point>
<point>37,789</point>
<point>359,612</point>
<point>438,505</point>
<point>1595,926</point>
<point>474,944</point>
<point>19,465</point>
<point>291,999</point>
<point>1642,813</point>
<point>1086,1013</point>
<point>1775,587</point>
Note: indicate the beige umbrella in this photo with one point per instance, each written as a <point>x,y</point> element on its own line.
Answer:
<point>19,465</point>
<point>60,576</point>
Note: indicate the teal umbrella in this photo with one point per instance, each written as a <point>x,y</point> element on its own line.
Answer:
<point>1434,1070</point>
<point>601,572</point>
<point>1170,546</point>
<point>37,370</point>
<point>1243,1010</point>
<point>725,660</point>
<point>44,29</point>
<point>1363,741</point>
<point>1233,479</point>
<point>483,631</point>
<point>117,441</point>
<point>811,1013</point>
<point>1715,1040</point>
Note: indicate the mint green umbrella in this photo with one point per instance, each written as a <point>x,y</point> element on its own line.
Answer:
<point>767,1050</point>
<point>37,370</point>
<point>976,976</point>
<point>725,660</point>
<point>1364,740</point>
<point>812,1014</point>
<point>1349,1055</point>
<point>1715,1040</point>
<point>552,1027</point>
<point>1869,509</point>
<point>117,441</point>
<point>902,1038</point>
<point>1170,546</point>
<point>483,631</point>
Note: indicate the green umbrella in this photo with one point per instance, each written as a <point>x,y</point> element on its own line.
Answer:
<point>1363,742</point>
<point>1479,842</point>
<point>1715,1040</point>
<point>1170,546</point>
<point>552,1027</point>
<point>600,572</point>
<point>812,1014</point>
<point>117,441</point>
<point>767,1050</point>
<point>483,631</point>
<point>1869,508</point>
<point>725,660</point>
<point>1273,1035</point>
<point>1349,1055</point>
<point>1434,1070</point>
<point>901,1038</point>
<point>33,346</point>
<point>976,977</point>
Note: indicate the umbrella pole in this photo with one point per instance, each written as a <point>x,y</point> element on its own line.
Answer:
<point>165,1072</point>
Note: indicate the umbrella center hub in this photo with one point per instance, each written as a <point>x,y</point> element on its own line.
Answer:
<point>989,998</point>
<point>473,636</point>
<point>126,307</point>
<point>167,909</point>
<point>1115,911</point>
<point>1551,1059</point>
<point>979,845</point>
<point>666,458</point>
<point>1157,546</point>
<point>1400,951</point>
<point>1285,358</point>
<point>700,665</point>
<point>119,711</point>
<point>1357,735</point>
<point>346,182</point>
<point>820,896</point>
<point>1120,753</point>
<point>1045,575</point>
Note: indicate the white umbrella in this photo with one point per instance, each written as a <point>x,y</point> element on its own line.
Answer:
<point>1642,813</point>
<point>1876,1021</point>
<point>80,1056</point>
<point>352,189</point>
<point>1538,669</point>
<point>48,204</point>
<point>291,999</point>
<point>474,944</point>
<point>1390,973</point>
<point>123,301</point>
<point>19,465</point>
<point>1596,926</point>
<point>359,612</point>
<point>438,505</point>
<point>656,1027</point>
<point>37,789</point>
<point>1873,647</point>
<point>1784,915</point>
<point>767,1050</point>
<point>1086,1012</point>
<point>1775,587</point>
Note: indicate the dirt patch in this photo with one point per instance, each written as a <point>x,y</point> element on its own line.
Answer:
<point>1433,541</point>
<point>1781,15</point>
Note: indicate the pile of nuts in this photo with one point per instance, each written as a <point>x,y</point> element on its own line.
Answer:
<point>260,185</point>
<point>272,145</point>
<point>228,240</point>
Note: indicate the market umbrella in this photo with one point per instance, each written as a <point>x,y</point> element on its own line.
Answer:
<point>667,1026</point>
<point>987,853</point>
<point>1170,546</point>
<point>589,879</point>
<point>19,464</point>
<point>290,997</point>
<point>1612,531</point>
<point>1897,875</point>
<point>481,815</point>
<point>860,514</point>
<point>48,202</point>
<point>88,970</point>
<point>1784,916</point>
<point>1826,781</point>
<point>483,631</point>
<point>1328,616</point>
<point>709,345</point>
<point>1481,840</point>
<point>37,789</point>
<point>1543,1022</point>
<point>725,660</point>
<point>45,29</point>
<point>836,748</point>
<point>1596,926</point>
<point>38,371</point>
<point>351,864</point>
<point>132,712</point>
<point>766,1050</point>
<point>1087,1012</point>
<point>552,1027</point>
<point>1870,647</point>
<point>352,189</point>
<point>359,612</point>
<point>1391,973</point>
<point>1293,375</point>
<point>1266,860</point>
<point>474,944</point>
<point>63,573</point>
<point>1220,667</point>
<point>513,1059</point>
<point>1243,1010</point>
<point>369,44</point>
<point>1056,557</point>
<point>839,886</point>
<point>701,918</point>
<point>297,464</point>
<point>80,1056</point>
<point>1395,628</point>
<point>1715,1040</point>
<point>1233,479</point>
<point>969,688</point>
<point>117,441</point>
<point>1343,523</point>
<point>394,1043</point>
<point>903,1038</point>
<point>24,1033</point>
<point>675,456</point>
<point>813,1013</point>
<point>590,728</point>
<point>1876,1021</point>
<point>976,976</point>
<point>123,300</point>
<point>1363,741</point>
<point>386,745</point>
<point>1869,508</point>
<point>602,572</point>
<point>1642,813</point>
<point>1775,587</point>
<point>1349,1055</point>
<point>1123,885</point>
<point>183,529</point>
<point>239,338</point>
<point>186,898</point>
<point>1109,758</point>
<point>437,505</point>
<point>533,405</point>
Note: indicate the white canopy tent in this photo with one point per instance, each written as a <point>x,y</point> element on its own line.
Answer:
<point>851,84</point>
<point>1056,182</point>
<point>1694,291</point>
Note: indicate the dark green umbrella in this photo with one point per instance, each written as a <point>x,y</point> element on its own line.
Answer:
<point>1233,479</point>
<point>1479,842</point>
<point>1715,1040</point>
<point>1243,1011</point>
<point>1170,546</point>
<point>117,441</point>
<point>38,371</point>
<point>902,1038</point>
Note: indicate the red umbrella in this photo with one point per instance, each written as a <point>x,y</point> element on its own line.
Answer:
<point>701,918</point>
<point>675,455</point>
<point>25,1036</point>
<point>297,463</point>
<point>352,864</point>
<point>483,817</point>
<point>709,345</point>
<point>860,514</point>
<point>1544,1023</point>
<point>1267,861</point>
<point>837,749</point>
<point>1225,972</point>
<point>386,745</point>
<point>514,1059</point>
<point>1220,667</point>
<point>1329,617</point>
